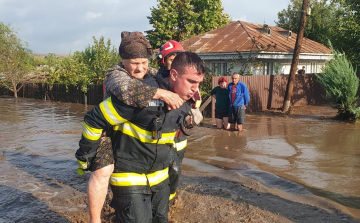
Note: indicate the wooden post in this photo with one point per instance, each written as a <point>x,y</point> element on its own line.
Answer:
<point>85,99</point>
<point>295,60</point>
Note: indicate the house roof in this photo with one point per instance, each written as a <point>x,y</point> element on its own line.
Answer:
<point>244,37</point>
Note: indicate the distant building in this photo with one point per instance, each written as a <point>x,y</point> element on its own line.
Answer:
<point>255,49</point>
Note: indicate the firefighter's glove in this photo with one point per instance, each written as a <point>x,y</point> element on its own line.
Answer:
<point>82,167</point>
<point>84,160</point>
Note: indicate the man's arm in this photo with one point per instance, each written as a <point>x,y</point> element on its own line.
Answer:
<point>213,91</point>
<point>134,93</point>
<point>246,96</point>
<point>229,88</point>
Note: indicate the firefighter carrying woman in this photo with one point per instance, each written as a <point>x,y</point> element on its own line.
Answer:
<point>146,141</point>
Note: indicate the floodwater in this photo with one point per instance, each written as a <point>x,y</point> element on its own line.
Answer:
<point>302,155</point>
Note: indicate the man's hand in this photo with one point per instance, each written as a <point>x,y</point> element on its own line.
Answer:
<point>172,99</point>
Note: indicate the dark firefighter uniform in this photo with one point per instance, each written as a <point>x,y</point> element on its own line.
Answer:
<point>180,143</point>
<point>143,141</point>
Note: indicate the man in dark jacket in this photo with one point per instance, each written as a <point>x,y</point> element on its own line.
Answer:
<point>302,70</point>
<point>133,129</point>
<point>168,52</point>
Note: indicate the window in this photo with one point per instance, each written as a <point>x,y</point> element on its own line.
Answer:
<point>218,69</point>
<point>269,31</point>
<point>270,68</point>
<point>224,68</point>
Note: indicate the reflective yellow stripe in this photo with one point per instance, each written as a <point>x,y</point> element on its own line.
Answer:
<point>158,177</point>
<point>81,164</point>
<point>128,179</point>
<point>181,145</point>
<point>130,129</point>
<point>143,135</point>
<point>136,179</point>
<point>172,196</point>
<point>109,112</point>
<point>91,133</point>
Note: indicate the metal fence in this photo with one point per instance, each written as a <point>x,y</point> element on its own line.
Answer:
<point>266,91</point>
<point>60,92</point>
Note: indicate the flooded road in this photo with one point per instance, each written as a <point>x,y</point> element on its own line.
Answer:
<point>296,155</point>
<point>302,155</point>
<point>37,178</point>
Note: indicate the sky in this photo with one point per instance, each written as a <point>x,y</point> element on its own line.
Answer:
<point>66,26</point>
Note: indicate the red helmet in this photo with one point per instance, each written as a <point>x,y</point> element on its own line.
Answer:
<point>169,48</point>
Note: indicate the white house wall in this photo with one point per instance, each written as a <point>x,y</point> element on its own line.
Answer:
<point>314,65</point>
<point>311,67</point>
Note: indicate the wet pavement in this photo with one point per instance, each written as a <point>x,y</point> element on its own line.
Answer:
<point>303,155</point>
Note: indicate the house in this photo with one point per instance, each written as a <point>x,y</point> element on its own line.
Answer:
<point>256,49</point>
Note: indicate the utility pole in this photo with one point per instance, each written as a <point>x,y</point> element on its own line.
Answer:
<point>295,60</point>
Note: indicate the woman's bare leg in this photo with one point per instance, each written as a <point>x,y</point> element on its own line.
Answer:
<point>97,190</point>
<point>219,123</point>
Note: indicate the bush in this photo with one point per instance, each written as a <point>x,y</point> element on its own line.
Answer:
<point>81,68</point>
<point>341,85</point>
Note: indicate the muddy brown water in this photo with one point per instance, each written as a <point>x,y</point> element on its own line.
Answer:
<point>304,155</point>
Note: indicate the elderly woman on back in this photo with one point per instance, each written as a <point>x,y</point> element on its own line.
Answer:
<point>222,104</point>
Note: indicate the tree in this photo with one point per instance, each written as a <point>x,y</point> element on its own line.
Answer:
<point>210,15</point>
<point>70,71</point>
<point>51,59</point>
<point>341,85</point>
<point>181,19</point>
<point>15,59</point>
<point>99,57</point>
<point>206,85</point>
<point>334,20</point>
<point>82,68</point>
<point>347,37</point>
<point>321,23</point>
<point>295,59</point>
<point>289,18</point>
